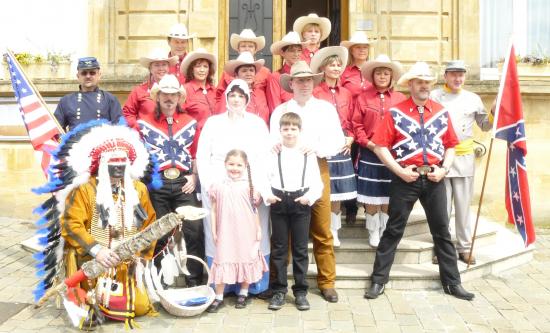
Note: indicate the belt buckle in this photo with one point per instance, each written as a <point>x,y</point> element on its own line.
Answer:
<point>171,173</point>
<point>423,170</point>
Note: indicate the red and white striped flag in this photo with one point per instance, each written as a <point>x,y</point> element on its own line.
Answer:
<point>41,125</point>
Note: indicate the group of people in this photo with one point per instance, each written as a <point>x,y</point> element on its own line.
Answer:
<point>274,156</point>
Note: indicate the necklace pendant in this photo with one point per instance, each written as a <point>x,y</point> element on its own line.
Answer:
<point>204,91</point>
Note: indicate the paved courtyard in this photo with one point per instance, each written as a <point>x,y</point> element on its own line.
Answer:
<point>517,300</point>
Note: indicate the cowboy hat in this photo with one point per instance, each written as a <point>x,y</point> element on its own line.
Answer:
<point>292,38</point>
<point>420,71</point>
<point>169,84</point>
<point>323,22</point>
<point>245,58</point>
<point>300,69</point>
<point>199,53</point>
<point>359,37</point>
<point>326,52</point>
<point>382,61</point>
<point>247,35</point>
<point>157,54</point>
<point>455,66</point>
<point>179,31</point>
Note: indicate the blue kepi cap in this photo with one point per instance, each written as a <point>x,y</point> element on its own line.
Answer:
<point>87,63</point>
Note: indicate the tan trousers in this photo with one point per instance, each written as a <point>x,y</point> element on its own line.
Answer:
<point>320,233</point>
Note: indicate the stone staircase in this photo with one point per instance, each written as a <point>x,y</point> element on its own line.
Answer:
<point>496,249</point>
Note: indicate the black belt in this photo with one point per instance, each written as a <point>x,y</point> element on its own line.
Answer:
<point>291,194</point>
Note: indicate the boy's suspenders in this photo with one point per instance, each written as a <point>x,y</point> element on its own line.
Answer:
<point>281,172</point>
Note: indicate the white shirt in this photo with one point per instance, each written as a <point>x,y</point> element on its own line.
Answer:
<point>321,129</point>
<point>292,167</point>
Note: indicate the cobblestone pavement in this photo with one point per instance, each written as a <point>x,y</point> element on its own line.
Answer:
<point>517,300</point>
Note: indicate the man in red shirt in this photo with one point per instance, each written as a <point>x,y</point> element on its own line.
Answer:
<point>178,40</point>
<point>417,144</point>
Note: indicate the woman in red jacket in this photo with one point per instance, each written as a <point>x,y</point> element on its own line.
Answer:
<point>331,61</point>
<point>358,48</point>
<point>370,107</point>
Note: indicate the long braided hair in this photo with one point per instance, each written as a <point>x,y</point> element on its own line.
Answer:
<point>242,154</point>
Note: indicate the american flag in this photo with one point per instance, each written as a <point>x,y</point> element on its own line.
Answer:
<point>40,123</point>
<point>509,125</point>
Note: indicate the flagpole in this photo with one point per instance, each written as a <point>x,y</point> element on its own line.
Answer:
<point>61,130</point>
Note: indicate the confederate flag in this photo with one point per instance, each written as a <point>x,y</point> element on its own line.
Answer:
<point>509,125</point>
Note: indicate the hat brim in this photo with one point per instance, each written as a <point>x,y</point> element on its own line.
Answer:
<point>232,65</point>
<point>285,80</point>
<point>186,37</point>
<point>326,52</point>
<point>455,69</point>
<point>236,39</point>
<point>277,47</point>
<point>190,57</point>
<point>368,69</point>
<point>323,22</point>
<point>348,43</point>
<point>404,80</point>
<point>156,89</point>
<point>145,61</point>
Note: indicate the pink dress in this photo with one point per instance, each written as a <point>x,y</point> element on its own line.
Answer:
<point>238,257</point>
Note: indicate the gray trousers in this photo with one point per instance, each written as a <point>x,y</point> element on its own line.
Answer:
<point>460,191</point>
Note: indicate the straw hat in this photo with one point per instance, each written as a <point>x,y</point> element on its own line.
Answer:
<point>179,31</point>
<point>359,37</point>
<point>323,22</point>
<point>326,52</point>
<point>455,66</point>
<point>157,54</point>
<point>247,35</point>
<point>199,53</point>
<point>169,84</point>
<point>245,58</point>
<point>382,61</point>
<point>421,71</point>
<point>300,69</point>
<point>292,38</point>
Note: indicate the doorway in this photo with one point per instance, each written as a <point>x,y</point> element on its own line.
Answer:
<point>331,9</point>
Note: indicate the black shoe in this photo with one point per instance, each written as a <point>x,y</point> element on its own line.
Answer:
<point>241,302</point>
<point>215,306</point>
<point>266,294</point>
<point>301,303</point>
<point>458,291</point>
<point>277,301</point>
<point>375,290</point>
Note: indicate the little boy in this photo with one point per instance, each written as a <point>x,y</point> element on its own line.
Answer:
<point>296,185</point>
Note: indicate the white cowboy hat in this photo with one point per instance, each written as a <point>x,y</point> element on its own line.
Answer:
<point>169,84</point>
<point>199,53</point>
<point>292,38</point>
<point>382,61</point>
<point>247,35</point>
<point>456,66</point>
<point>300,69</point>
<point>179,31</point>
<point>245,58</point>
<point>323,22</point>
<point>421,71</point>
<point>157,54</point>
<point>326,52</point>
<point>359,37</point>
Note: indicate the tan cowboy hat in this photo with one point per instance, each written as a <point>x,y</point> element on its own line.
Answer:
<point>169,84</point>
<point>199,53</point>
<point>326,52</point>
<point>300,69</point>
<point>292,38</point>
<point>421,71</point>
<point>247,35</point>
<point>359,37</point>
<point>157,54</point>
<point>245,58</point>
<point>382,61</point>
<point>179,31</point>
<point>323,22</point>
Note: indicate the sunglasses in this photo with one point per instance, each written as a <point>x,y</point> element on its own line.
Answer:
<point>86,73</point>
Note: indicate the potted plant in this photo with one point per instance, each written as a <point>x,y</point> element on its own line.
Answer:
<point>54,65</point>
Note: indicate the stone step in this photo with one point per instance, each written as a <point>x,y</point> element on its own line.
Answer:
<point>415,249</point>
<point>506,252</point>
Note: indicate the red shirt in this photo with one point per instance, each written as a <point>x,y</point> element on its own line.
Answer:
<point>370,108</point>
<point>307,54</point>
<point>275,94</point>
<point>257,105</point>
<point>175,69</point>
<point>260,82</point>
<point>199,105</point>
<point>138,104</point>
<point>353,81</point>
<point>402,135</point>
<point>341,98</point>
<point>176,151</point>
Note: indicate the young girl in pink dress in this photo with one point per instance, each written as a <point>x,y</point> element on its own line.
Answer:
<point>236,231</point>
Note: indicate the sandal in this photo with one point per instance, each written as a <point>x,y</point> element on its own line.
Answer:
<point>215,306</point>
<point>241,302</point>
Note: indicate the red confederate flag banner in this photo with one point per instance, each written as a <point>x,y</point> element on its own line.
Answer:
<point>509,125</point>
<point>40,124</point>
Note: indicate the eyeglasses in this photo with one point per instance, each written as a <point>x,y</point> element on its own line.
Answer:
<point>86,73</point>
